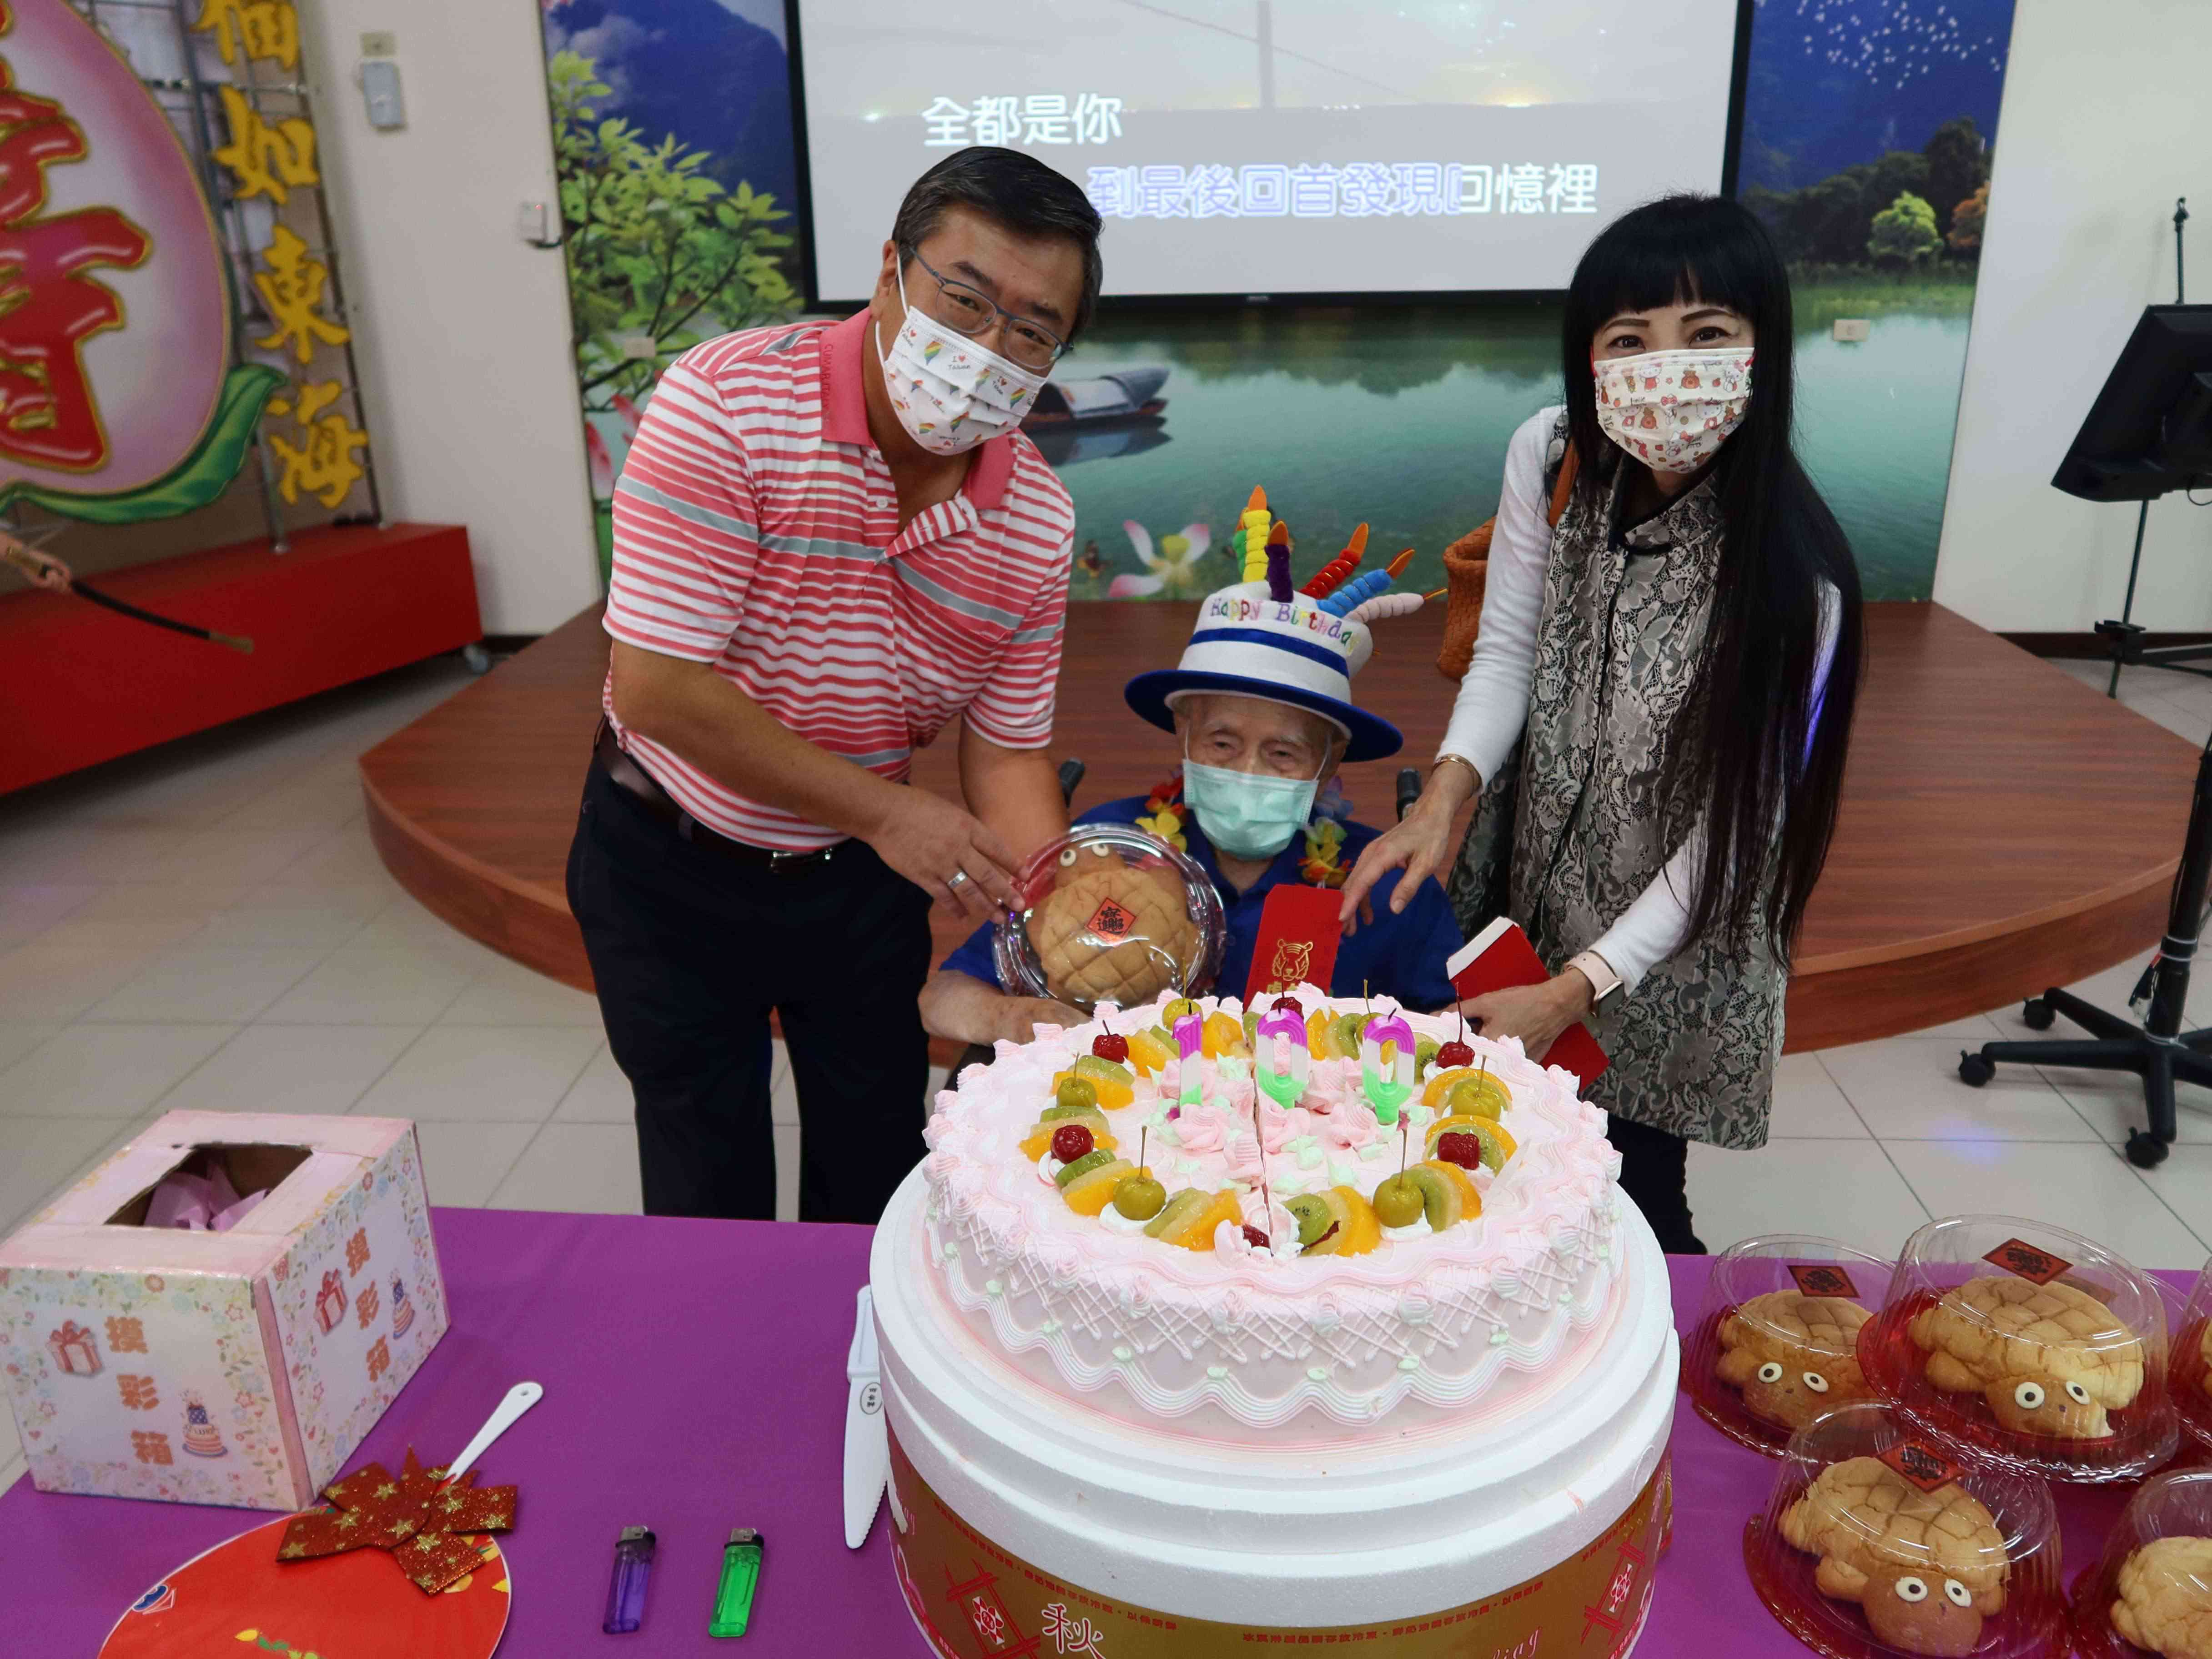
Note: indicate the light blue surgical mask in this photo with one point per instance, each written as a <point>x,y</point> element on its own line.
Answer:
<point>1247,814</point>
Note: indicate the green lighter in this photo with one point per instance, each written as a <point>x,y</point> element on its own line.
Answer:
<point>741,1570</point>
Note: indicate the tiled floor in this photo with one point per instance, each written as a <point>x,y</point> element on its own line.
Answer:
<point>207,926</point>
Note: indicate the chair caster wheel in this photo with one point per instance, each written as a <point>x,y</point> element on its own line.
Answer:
<point>477,658</point>
<point>2145,1150</point>
<point>2036,1014</point>
<point>1976,1069</point>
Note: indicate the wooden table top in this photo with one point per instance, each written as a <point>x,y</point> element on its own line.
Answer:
<point>2003,825</point>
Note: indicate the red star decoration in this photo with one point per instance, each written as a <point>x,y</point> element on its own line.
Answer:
<point>421,1521</point>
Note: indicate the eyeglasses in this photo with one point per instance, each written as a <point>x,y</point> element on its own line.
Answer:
<point>971,310</point>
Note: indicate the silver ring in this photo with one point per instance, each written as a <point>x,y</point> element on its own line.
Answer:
<point>956,878</point>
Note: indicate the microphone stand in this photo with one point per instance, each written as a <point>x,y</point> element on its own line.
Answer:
<point>2125,634</point>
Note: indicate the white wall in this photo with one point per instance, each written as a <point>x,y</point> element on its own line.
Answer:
<point>461,329</point>
<point>2107,118</point>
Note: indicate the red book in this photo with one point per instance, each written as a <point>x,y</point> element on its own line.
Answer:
<point>1500,956</point>
<point>1298,935</point>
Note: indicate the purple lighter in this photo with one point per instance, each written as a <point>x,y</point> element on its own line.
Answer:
<point>626,1590</point>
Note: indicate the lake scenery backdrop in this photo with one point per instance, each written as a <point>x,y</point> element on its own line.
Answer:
<point>1865,148</point>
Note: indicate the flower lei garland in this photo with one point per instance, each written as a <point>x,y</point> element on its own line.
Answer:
<point>1322,865</point>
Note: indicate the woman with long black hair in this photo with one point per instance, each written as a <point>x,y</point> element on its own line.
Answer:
<point>1660,699</point>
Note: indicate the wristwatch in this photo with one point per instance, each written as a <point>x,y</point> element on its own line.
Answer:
<point>1599,972</point>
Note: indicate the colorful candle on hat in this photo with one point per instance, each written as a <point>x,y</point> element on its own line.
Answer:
<point>1281,1063</point>
<point>1372,585</point>
<point>1275,555</point>
<point>1253,525</point>
<point>1190,1039</point>
<point>1360,589</point>
<point>1326,579</point>
<point>1387,1093</point>
<point>1355,593</point>
<point>1382,607</point>
<point>1278,571</point>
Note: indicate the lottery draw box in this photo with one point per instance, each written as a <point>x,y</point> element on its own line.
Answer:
<point>240,1367</point>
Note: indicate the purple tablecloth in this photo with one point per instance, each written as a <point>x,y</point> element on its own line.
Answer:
<point>695,1381</point>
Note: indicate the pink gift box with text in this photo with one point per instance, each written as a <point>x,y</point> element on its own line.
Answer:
<point>240,1367</point>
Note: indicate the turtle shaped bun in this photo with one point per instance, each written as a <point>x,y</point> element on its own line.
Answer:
<point>1077,861</point>
<point>1925,1567</point>
<point>1793,1356</point>
<point>2051,1360</point>
<point>1113,931</point>
<point>2165,1602</point>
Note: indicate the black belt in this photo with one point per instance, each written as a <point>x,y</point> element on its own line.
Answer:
<point>634,780</point>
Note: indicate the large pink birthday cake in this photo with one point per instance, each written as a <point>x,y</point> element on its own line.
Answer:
<point>1316,1236</point>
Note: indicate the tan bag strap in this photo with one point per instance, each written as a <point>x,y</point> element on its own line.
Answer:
<point>1564,487</point>
<point>1467,576</point>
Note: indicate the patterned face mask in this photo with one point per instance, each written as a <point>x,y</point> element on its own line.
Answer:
<point>948,391</point>
<point>1672,409</point>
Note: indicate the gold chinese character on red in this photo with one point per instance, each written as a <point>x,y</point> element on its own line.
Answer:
<point>49,306</point>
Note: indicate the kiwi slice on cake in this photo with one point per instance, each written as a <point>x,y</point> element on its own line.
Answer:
<point>1180,1208</point>
<point>1316,1221</point>
<point>1440,1198</point>
<point>1096,1158</point>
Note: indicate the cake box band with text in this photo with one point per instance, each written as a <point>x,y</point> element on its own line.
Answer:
<point>973,1599</point>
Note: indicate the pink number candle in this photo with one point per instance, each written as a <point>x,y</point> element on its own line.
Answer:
<point>1190,1039</point>
<point>1387,1090</point>
<point>1280,1065</point>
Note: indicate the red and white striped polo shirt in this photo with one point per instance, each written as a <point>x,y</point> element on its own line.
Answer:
<point>755,527</point>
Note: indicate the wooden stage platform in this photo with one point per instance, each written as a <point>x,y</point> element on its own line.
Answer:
<point>2004,827</point>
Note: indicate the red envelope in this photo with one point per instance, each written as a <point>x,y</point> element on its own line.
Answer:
<point>1500,956</point>
<point>1298,935</point>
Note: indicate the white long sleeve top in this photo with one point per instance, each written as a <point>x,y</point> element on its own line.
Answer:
<point>1492,705</point>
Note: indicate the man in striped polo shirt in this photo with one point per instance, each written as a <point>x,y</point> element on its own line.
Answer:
<point>830,541</point>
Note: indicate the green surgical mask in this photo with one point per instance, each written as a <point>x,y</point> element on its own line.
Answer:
<point>1247,814</point>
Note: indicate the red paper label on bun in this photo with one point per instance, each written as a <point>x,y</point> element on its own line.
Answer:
<point>2018,1256</point>
<point>1110,921</point>
<point>1920,1465</point>
<point>1823,1279</point>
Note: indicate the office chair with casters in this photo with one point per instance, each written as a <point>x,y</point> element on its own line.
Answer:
<point>2150,432</point>
<point>1071,774</point>
<point>2158,1051</point>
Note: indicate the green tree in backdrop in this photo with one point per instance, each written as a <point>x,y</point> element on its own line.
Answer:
<point>1903,232</point>
<point>1958,166</point>
<point>660,257</point>
<point>1833,222</point>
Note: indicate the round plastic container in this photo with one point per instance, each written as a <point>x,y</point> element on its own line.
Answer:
<point>2151,1592</point>
<point>2190,1375</point>
<point>1109,913</point>
<point>1204,1540</point>
<point>1777,1343</point>
<point>1878,1541</point>
<point>2028,1345</point>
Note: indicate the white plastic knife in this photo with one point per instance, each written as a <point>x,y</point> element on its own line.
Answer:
<point>867,1445</point>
